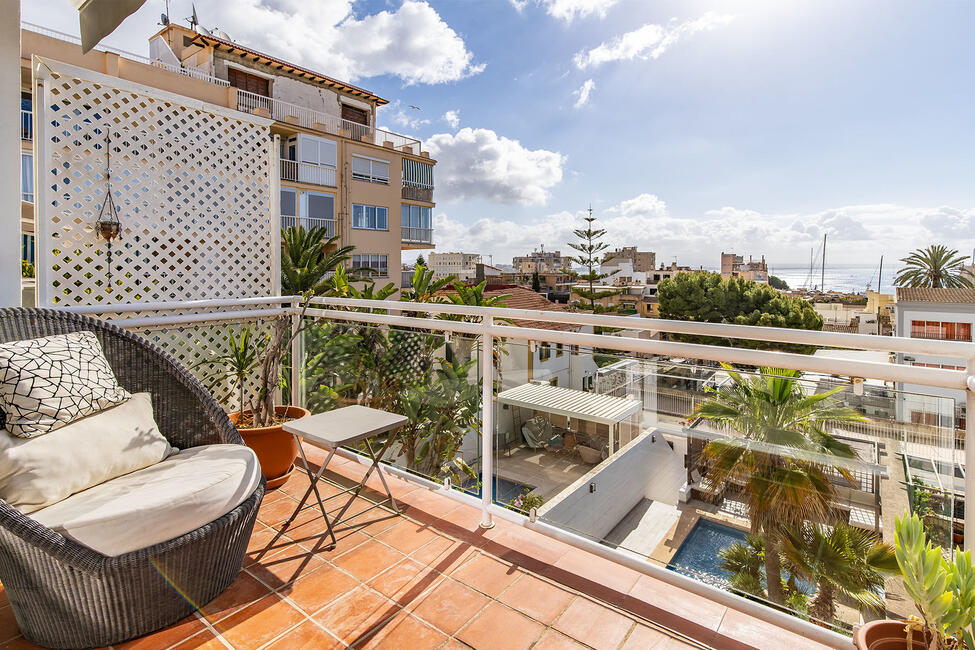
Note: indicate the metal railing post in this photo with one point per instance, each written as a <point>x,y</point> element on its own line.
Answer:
<point>970,456</point>
<point>487,424</point>
<point>295,355</point>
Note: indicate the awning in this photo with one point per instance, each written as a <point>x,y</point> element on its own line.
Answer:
<point>579,404</point>
<point>99,18</point>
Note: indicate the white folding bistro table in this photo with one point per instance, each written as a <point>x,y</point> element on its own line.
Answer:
<point>345,426</point>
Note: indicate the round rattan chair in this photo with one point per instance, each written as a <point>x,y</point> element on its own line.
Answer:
<point>65,595</point>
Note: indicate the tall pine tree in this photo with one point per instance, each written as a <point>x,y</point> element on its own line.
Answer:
<point>590,247</point>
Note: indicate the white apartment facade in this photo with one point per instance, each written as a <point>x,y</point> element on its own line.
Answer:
<point>944,314</point>
<point>462,266</point>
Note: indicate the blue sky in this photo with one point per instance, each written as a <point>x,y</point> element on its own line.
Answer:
<point>707,126</point>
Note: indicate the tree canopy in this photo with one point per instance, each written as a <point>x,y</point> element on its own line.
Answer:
<point>936,266</point>
<point>778,283</point>
<point>704,297</point>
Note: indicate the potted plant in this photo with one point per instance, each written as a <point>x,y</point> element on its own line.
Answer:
<point>308,259</point>
<point>942,591</point>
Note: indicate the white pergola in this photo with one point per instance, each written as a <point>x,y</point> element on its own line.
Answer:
<point>572,403</point>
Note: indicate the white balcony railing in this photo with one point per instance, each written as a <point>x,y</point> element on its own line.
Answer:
<point>309,222</point>
<point>195,73</point>
<point>26,125</point>
<point>302,172</point>
<point>473,330</point>
<point>311,119</point>
<point>417,235</point>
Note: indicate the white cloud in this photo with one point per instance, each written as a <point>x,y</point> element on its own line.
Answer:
<point>478,163</point>
<point>584,93</point>
<point>452,118</point>
<point>569,10</point>
<point>412,42</point>
<point>857,234</point>
<point>649,41</point>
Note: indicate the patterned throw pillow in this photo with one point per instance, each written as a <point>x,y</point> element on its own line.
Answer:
<point>47,383</point>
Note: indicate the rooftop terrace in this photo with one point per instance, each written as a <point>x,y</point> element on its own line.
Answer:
<point>431,578</point>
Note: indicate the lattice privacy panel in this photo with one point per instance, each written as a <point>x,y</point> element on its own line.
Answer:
<point>193,189</point>
<point>198,347</point>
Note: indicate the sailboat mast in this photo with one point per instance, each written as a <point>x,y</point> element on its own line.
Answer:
<point>880,277</point>
<point>822,277</point>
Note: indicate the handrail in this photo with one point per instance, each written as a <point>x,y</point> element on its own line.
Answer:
<point>132,56</point>
<point>311,118</point>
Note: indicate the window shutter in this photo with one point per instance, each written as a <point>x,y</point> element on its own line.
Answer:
<point>353,114</point>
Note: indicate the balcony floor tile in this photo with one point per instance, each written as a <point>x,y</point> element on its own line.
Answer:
<point>432,578</point>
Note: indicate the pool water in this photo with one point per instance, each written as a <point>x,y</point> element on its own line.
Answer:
<point>698,556</point>
<point>505,490</point>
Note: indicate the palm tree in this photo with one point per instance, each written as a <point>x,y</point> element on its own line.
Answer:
<point>842,561</point>
<point>935,266</point>
<point>781,454</point>
<point>307,261</point>
<point>423,286</point>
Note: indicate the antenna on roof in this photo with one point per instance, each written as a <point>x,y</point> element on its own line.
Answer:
<point>164,20</point>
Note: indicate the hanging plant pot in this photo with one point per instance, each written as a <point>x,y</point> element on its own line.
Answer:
<point>276,449</point>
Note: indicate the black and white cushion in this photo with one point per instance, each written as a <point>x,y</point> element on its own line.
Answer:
<point>49,382</point>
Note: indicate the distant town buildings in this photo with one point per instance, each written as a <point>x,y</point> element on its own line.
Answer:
<point>641,261</point>
<point>735,266</point>
<point>542,261</point>
<point>463,266</point>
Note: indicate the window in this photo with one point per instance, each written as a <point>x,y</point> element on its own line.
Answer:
<point>924,417</point>
<point>27,248</point>
<point>417,174</point>
<point>289,202</point>
<point>370,265</point>
<point>369,217</point>
<point>353,114</point>
<point>317,151</point>
<point>559,349</point>
<point>554,381</point>
<point>544,351</point>
<point>317,205</point>
<point>27,176</point>
<point>416,216</point>
<point>249,82</point>
<point>948,331</point>
<point>370,169</point>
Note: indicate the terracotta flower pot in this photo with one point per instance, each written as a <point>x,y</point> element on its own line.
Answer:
<point>887,635</point>
<point>275,449</point>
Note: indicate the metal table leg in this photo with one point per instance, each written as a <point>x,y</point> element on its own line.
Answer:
<point>314,478</point>
<point>374,466</point>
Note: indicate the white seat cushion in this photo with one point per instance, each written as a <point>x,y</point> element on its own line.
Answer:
<point>40,471</point>
<point>187,490</point>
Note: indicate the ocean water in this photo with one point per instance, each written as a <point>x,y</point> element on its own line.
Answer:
<point>847,278</point>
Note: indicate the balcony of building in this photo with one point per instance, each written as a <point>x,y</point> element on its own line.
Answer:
<point>417,226</point>
<point>297,171</point>
<point>26,125</point>
<point>308,118</point>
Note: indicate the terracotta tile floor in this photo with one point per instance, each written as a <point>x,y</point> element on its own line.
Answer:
<point>431,578</point>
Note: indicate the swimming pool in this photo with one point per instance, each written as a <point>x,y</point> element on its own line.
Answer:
<point>698,556</point>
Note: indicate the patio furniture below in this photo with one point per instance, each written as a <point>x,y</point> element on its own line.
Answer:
<point>344,427</point>
<point>706,487</point>
<point>70,570</point>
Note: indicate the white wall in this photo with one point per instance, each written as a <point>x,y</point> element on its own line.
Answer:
<point>647,468</point>
<point>10,292</point>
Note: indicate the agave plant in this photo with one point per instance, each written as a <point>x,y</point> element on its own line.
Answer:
<point>937,267</point>
<point>944,592</point>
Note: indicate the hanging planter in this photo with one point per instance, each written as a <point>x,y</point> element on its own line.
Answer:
<point>108,226</point>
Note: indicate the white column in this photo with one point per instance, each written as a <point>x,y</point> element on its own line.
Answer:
<point>10,295</point>
<point>487,424</point>
<point>970,457</point>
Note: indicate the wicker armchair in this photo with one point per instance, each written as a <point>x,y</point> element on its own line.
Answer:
<point>65,595</point>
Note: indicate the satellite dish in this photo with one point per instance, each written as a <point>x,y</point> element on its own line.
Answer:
<point>224,35</point>
<point>164,20</point>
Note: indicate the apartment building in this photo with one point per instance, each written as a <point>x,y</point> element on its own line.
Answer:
<point>463,266</point>
<point>542,261</point>
<point>735,266</point>
<point>370,187</point>
<point>945,314</point>
<point>641,261</point>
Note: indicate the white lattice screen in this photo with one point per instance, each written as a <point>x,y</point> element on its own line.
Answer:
<point>192,182</point>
